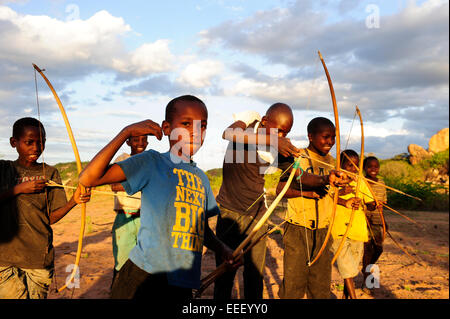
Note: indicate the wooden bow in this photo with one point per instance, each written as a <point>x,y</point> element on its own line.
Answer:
<point>79,168</point>
<point>358,184</point>
<point>365,179</point>
<point>377,203</point>
<point>238,252</point>
<point>338,160</point>
<point>383,220</point>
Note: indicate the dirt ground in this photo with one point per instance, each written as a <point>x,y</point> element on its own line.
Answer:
<point>400,277</point>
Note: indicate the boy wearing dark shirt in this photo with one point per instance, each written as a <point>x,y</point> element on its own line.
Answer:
<point>241,197</point>
<point>27,209</point>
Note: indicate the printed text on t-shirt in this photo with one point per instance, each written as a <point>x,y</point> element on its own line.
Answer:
<point>187,232</point>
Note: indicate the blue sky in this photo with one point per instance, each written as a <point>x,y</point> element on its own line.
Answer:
<point>118,62</point>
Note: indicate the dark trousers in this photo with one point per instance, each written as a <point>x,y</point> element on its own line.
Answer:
<point>232,228</point>
<point>299,278</point>
<point>374,247</point>
<point>131,282</point>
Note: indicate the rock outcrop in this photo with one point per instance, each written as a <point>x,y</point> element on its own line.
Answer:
<point>437,143</point>
<point>433,176</point>
<point>417,154</point>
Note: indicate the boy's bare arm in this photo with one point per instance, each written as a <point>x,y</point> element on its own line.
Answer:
<point>215,244</point>
<point>351,203</point>
<point>28,187</point>
<point>238,133</point>
<point>99,172</point>
<point>76,199</point>
<point>293,193</point>
<point>117,187</point>
<point>56,215</point>
<point>309,182</point>
<point>312,185</point>
<point>211,241</point>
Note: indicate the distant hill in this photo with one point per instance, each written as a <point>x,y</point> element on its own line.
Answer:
<point>68,172</point>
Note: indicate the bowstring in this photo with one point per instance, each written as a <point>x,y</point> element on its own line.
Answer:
<point>40,129</point>
<point>313,84</point>
<point>252,217</point>
<point>299,180</point>
<point>349,133</point>
<point>43,158</point>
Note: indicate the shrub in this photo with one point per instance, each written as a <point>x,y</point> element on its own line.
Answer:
<point>432,199</point>
<point>438,160</point>
<point>215,179</point>
<point>409,178</point>
<point>400,170</point>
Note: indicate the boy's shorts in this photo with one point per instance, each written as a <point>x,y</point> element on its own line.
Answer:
<point>124,236</point>
<point>349,257</point>
<point>18,283</point>
<point>131,282</point>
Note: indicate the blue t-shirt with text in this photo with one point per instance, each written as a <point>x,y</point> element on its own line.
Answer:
<point>176,202</point>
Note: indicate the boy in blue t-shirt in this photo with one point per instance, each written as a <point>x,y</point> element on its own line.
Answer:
<point>176,202</point>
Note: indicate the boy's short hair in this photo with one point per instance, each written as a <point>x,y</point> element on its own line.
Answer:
<point>20,125</point>
<point>368,159</point>
<point>350,154</point>
<point>316,123</point>
<point>170,108</point>
<point>277,108</point>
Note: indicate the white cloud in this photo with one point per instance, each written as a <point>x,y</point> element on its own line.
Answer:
<point>299,94</point>
<point>12,1</point>
<point>96,42</point>
<point>148,58</point>
<point>403,65</point>
<point>200,74</point>
<point>59,40</point>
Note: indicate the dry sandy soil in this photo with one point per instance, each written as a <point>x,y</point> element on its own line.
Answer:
<point>400,277</point>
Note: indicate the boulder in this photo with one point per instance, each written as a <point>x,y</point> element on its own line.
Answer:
<point>417,153</point>
<point>439,141</point>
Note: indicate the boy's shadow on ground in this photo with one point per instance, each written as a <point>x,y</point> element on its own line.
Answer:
<point>90,264</point>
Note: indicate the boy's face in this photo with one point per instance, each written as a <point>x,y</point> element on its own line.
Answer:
<point>372,168</point>
<point>282,123</point>
<point>28,145</point>
<point>348,166</point>
<point>138,144</point>
<point>187,129</point>
<point>322,141</point>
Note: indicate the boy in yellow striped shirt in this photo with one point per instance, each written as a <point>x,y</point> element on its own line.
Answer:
<point>374,247</point>
<point>351,254</point>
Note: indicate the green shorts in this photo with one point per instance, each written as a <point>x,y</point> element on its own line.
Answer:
<point>349,257</point>
<point>124,237</point>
